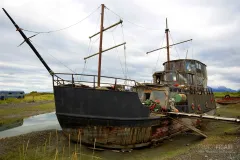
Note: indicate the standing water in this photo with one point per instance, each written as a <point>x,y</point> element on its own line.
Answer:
<point>35,123</point>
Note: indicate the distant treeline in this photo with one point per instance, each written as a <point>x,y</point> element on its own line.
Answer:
<point>35,93</point>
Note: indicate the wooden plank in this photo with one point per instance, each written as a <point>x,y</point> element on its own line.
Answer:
<point>190,127</point>
<point>235,120</point>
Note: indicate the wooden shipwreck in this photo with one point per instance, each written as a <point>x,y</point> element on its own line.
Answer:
<point>115,114</point>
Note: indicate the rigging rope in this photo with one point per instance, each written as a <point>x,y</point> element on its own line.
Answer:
<point>174,46</point>
<point>84,67</point>
<point>125,55</point>
<point>159,53</point>
<point>54,57</point>
<point>116,48</point>
<point>64,27</point>
<point>90,48</point>
<point>132,22</point>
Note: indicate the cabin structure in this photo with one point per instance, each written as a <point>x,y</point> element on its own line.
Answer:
<point>182,72</point>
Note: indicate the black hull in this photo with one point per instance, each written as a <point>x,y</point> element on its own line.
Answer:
<point>117,119</point>
<point>99,103</point>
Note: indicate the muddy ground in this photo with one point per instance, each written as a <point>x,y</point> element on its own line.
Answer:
<point>222,143</point>
<point>24,104</point>
<point>187,146</point>
<point>18,111</point>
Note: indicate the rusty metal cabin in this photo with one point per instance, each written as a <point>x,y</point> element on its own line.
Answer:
<point>183,81</point>
<point>184,72</point>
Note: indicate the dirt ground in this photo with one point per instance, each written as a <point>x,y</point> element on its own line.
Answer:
<point>10,113</point>
<point>21,105</point>
<point>222,143</point>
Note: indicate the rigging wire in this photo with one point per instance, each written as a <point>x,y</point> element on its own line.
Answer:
<point>64,27</point>
<point>174,46</point>
<point>132,22</point>
<point>85,62</point>
<point>116,48</point>
<point>125,54</point>
<point>192,49</point>
<point>53,57</point>
<point>159,53</point>
<point>90,48</point>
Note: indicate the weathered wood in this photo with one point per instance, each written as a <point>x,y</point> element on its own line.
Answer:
<point>105,50</point>
<point>120,22</point>
<point>169,46</point>
<point>205,116</point>
<point>190,127</point>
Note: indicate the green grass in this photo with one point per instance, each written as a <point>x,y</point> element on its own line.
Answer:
<point>29,98</point>
<point>229,110</point>
<point>12,114</point>
<point>222,94</point>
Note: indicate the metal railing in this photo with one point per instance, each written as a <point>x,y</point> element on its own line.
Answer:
<point>90,81</point>
<point>193,90</point>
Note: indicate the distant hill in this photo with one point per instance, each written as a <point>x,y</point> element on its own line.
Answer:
<point>223,89</point>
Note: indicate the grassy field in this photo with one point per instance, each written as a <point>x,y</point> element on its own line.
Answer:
<point>232,110</point>
<point>222,94</point>
<point>14,113</point>
<point>32,97</point>
<point>13,109</point>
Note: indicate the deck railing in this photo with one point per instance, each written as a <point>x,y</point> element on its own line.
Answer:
<point>75,80</point>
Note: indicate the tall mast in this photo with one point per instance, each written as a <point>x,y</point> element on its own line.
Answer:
<point>29,43</point>
<point>100,46</point>
<point>168,56</point>
<point>168,46</point>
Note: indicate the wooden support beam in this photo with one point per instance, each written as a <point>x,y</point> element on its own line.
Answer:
<point>105,50</point>
<point>120,22</point>
<point>192,115</point>
<point>169,46</point>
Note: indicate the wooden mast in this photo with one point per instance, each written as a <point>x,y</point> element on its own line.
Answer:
<point>168,46</point>
<point>101,41</point>
<point>100,46</point>
<point>167,38</point>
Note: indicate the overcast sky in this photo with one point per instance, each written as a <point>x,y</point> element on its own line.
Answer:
<point>212,24</point>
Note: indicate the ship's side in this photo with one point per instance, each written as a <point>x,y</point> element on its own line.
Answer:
<point>114,118</point>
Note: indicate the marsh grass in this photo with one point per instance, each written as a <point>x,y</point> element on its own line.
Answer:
<point>49,149</point>
<point>232,110</point>
<point>11,114</point>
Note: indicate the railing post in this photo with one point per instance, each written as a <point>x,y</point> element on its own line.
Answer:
<point>115,85</point>
<point>53,80</point>
<point>72,80</point>
<point>94,82</point>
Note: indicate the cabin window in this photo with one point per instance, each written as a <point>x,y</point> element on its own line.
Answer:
<point>199,66</point>
<point>170,76</point>
<point>190,78</point>
<point>190,66</point>
<point>182,78</point>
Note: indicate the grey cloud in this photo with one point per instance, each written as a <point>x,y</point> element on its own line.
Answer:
<point>214,51</point>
